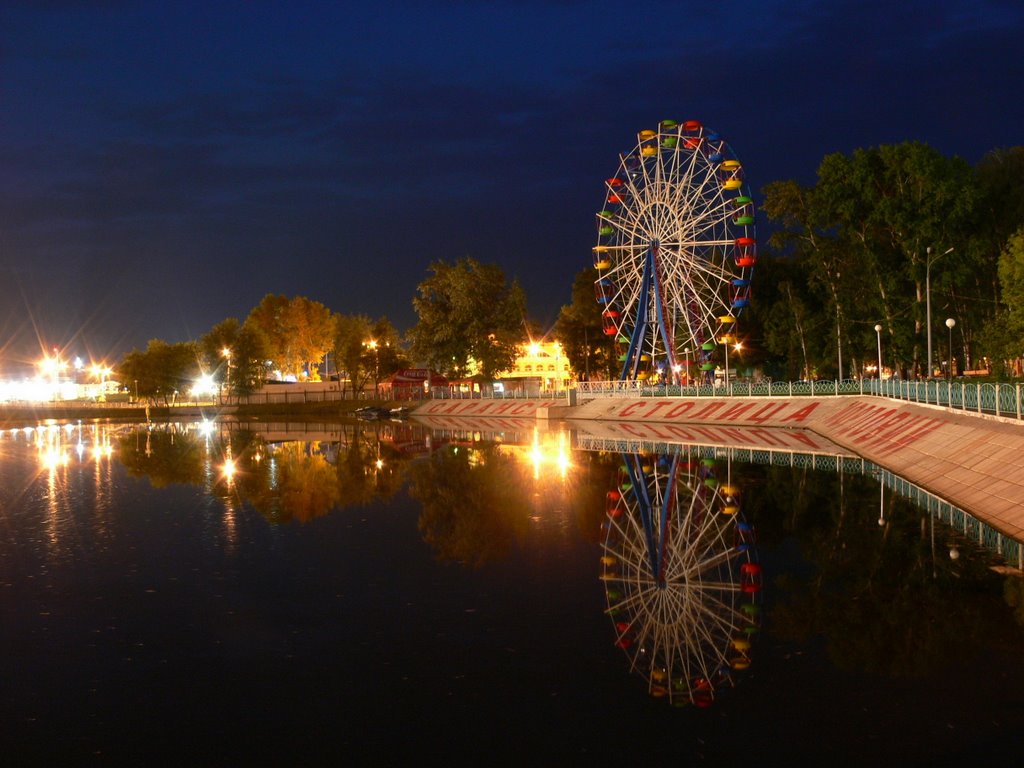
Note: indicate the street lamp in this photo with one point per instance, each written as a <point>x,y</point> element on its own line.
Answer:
<point>839,337</point>
<point>928,300</point>
<point>950,322</point>
<point>878,333</point>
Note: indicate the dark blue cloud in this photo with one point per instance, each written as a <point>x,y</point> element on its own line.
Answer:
<point>167,164</point>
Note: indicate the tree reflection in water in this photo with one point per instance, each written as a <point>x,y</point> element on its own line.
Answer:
<point>475,502</point>
<point>166,455</point>
<point>871,581</point>
<point>285,481</point>
<point>884,599</point>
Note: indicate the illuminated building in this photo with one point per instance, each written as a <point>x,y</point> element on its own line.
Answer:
<point>540,365</point>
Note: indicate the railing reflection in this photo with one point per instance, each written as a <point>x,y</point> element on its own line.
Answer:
<point>1004,547</point>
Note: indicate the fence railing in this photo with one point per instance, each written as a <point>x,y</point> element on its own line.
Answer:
<point>972,397</point>
<point>972,528</point>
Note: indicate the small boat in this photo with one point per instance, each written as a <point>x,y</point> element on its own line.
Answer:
<point>401,412</point>
<point>372,413</point>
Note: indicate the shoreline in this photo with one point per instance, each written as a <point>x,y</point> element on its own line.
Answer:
<point>12,416</point>
<point>972,461</point>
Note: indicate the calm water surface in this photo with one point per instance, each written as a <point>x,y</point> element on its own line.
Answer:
<point>373,593</point>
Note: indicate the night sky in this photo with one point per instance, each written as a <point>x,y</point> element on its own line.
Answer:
<point>164,165</point>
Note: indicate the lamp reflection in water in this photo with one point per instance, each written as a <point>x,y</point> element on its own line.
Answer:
<point>60,449</point>
<point>681,576</point>
<point>549,450</point>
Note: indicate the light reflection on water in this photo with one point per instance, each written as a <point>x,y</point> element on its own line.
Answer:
<point>371,572</point>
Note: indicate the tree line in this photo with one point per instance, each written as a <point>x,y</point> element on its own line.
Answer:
<point>853,268</point>
<point>882,234</point>
<point>471,321</point>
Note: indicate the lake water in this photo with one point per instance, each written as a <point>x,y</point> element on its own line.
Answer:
<point>377,593</point>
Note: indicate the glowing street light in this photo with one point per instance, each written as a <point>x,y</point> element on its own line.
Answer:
<point>229,470</point>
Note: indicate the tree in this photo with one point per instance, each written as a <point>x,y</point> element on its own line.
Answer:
<point>1005,333</point>
<point>382,352</point>
<point>468,314</point>
<point>861,236</point>
<point>351,332</point>
<point>590,351</point>
<point>270,318</point>
<point>1000,213</point>
<point>216,348</point>
<point>312,328</point>
<point>162,372</point>
<point>235,355</point>
<point>298,331</point>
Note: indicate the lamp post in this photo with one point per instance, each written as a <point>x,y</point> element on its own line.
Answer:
<point>928,299</point>
<point>227,375</point>
<point>726,339</point>
<point>101,372</point>
<point>878,333</point>
<point>839,338</point>
<point>950,322</point>
<point>372,344</point>
<point>726,343</point>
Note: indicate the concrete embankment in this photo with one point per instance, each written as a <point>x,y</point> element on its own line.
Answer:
<point>974,462</point>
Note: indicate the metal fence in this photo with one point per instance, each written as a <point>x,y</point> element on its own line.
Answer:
<point>972,397</point>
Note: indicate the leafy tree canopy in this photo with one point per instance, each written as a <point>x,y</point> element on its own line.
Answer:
<point>867,241</point>
<point>298,332</point>
<point>591,353</point>
<point>468,312</point>
<point>162,372</point>
<point>235,355</point>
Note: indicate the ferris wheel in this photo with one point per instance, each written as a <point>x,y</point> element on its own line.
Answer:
<point>675,252</point>
<point>681,577</point>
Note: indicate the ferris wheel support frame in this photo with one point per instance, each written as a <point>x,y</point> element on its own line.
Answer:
<point>631,365</point>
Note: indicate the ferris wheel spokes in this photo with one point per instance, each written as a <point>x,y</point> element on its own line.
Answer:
<point>675,247</point>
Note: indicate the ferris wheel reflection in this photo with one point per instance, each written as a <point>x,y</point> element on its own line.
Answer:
<point>682,581</point>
